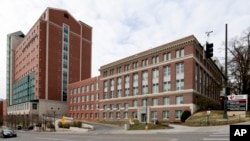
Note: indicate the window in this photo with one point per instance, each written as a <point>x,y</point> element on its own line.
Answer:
<point>166,71</point>
<point>155,59</point>
<point>134,103</point>
<point>134,114</point>
<point>83,89</point>
<point>78,90</point>
<point>126,67</point>
<point>178,114</point>
<point>145,75</point>
<point>179,100</point>
<point>135,91</point>
<point>145,89</point>
<point>125,115</point>
<point>154,115</point>
<point>112,94</point>
<point>180,84</point>
<point>135,65</point>
<point>118,106</point>
<point>118,115</point>
<point>126,91</point>
<point>126,106</point>
<point>167,56</point>
<point>155,101</point>
<point>119,93</point>
<point>166,101</point>
<point>111,106</point>
<point>155,88</point>
<point>144,62</point>
<point>179,68</point>
<point>104,107</point>
<point>155,73</point>
<point>165,114</point>
<point>180,53</point>
<point>135,78</point>
<point>111,115</point>
<point>166,86</point>
<point>34,106</point>
<point>104,115</point>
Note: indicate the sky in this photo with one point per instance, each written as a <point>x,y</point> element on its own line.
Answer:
<point>125,27</point>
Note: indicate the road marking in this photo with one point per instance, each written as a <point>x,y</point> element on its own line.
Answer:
<point>215,139</point>
<point>174,140</point>
<point>54,139</point>
<point>219,135</point>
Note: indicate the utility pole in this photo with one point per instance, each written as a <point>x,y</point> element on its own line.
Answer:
<point>226,89</point>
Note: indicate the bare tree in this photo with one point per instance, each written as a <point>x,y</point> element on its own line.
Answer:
<point>239,64</point>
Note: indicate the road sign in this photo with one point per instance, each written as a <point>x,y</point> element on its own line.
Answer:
<point>63,120</point>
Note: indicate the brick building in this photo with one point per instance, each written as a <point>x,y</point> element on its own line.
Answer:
<point>160,83</point>
<point>56,51</point>
<point>83,99</point>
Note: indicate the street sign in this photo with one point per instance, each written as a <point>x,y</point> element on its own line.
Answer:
<point>63,120</point>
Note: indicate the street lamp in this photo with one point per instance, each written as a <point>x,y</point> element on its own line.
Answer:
<point>54,117</point>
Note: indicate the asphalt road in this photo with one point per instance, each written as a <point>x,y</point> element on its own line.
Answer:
<point>109,133</point>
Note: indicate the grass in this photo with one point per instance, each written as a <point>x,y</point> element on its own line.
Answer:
<point>197,119</point>
<point>215,118</point>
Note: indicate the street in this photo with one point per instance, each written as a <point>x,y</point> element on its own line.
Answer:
<point>108,133</point>
<point>34,136</point>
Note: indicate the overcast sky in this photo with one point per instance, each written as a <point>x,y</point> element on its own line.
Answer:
<point>125,27</point>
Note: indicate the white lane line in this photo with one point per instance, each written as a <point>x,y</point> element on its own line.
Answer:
<point>54,139</point>
<point>215,139</point>
<point>219,135</point>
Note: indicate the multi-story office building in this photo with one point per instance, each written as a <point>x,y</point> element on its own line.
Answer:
<point>56,51</point>
<point>160,83</point>
<point>83,99</point>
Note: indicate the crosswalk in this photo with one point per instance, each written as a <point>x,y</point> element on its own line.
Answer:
<point>218,136</point>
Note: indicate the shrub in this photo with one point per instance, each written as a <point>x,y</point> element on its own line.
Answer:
<point>76,124</point>
<point>50,125</point>
<point>185,115</point>
<point>65,125</point>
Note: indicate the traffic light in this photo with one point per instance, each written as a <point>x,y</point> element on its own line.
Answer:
<point>209,50</point>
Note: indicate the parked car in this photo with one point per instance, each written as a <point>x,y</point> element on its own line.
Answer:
<point>7,133</point>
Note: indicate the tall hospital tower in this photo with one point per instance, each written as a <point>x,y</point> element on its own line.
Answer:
<point>56,51</point>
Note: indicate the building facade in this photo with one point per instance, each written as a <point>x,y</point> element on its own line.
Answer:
<point>56,51</point>
<point>160,83</point>
<point>83,99</point>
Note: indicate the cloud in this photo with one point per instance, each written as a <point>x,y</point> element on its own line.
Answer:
<point>124,27</point>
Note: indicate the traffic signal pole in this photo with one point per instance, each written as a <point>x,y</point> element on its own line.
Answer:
<point>226,78</point>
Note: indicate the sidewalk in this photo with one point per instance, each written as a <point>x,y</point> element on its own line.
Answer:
<point>176,129</point>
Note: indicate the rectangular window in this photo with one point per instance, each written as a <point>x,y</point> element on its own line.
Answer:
<point>135,103</point>
<point>166,101</point>
<point>179,100</point>
<point>125,115</point>
<point>180,84</point>
<point>179,68</point>
<point>154,115</point>
<point>126,106</point>
<point>155,101</point>
<point>34,106</point>
<point>167,86</point>
<point>155,88</point>
<point>178,114</point>
<point>165,115</point>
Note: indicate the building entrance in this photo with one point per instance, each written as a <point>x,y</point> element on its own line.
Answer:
<point>143,117</point>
